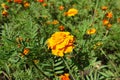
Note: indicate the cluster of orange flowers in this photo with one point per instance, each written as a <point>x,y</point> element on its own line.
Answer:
<point>60,43</point>
<point>108,16</point>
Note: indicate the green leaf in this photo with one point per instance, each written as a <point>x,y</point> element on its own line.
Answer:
<point>59,68</point>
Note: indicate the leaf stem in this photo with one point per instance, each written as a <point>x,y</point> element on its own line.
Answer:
<point>68,68</point>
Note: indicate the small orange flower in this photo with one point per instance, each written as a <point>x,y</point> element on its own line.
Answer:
<point>61,28</point>
<point>65,77</point>
<point>26,4</point>
<point>44,4</point>
<point>9,0</point>
<point>72,12</point>
<point>4,13</point>
<point>26,51</point>
<point>105,21</point>
<point>109,26</point>
<point>109,15</point>
<point>118,20</point>
<point>91,31</point>
<point>3,5</point>
<point>40,1</point>
<point>18,1</point>
<point>55,22</point>
<point>61,8</point>
<point>104,8</point>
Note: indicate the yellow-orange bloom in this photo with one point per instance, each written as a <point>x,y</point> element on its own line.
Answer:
<point>61,28</point>
<point>44,4</point>
<point>104,8</point>
<point>4,13</point>
<point>72,12</point>
<point>55,22</point>
<point>61,8</point>
<point>91,31</point>
<point>18,1</point>
<point>109,15</point>
<point>26,51</point>
<point>65,77</point>
<point>105,22</point>
<point>118,20</point>
<point>9,0</point>
<point>26,4</point>
<point>60,43</point>
<point>3,5</point>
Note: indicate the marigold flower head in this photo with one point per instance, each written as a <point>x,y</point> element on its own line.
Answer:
<point>55,22</point>
<point>26,51</point>
<point>3,5</point>
<point>109,15</point>
<point>108,26</point>
<point>61,8</point>
<point>105,21</point>
<point>18,1</point>
<point>9,0</point>
<point>72,12</point>
<point>61,28</point>
<point>44,4</point>
<point>40,1</point>
<point>26,4</point>
<point>5,13</point>
<point>60,43</point>
<point>118,20</point>
<point>91,31</point>
<point>65,77</point>
<point>104,8</point>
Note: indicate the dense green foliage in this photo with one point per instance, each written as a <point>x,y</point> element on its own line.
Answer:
<point>95,56</point>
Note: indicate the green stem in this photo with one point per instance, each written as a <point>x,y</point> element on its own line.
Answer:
<point>40,71</point>
<point>6,75</point>
<point>68,68</point>
<point>110,61</point>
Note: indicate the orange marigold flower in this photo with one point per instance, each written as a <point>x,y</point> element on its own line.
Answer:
<point>4,13</point>
<point>104,8</point>
<point>44,4</point>
<point>61,8</point>
<point>18,1</point>
<point>26,4</point>
<point>61,28</point>
<point>65,77</point>
<point>55,22</point>
<point>40,1</point>
<point>105,21</point>
<point>60,43</point>
<point>72,12</point>
<point>26,51</point>
<point>109,15</point>
<point>3,5</point>
<point>109,26</point>
<point>9,0</point>
<point>118,20</point>
<point>91,31</point>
